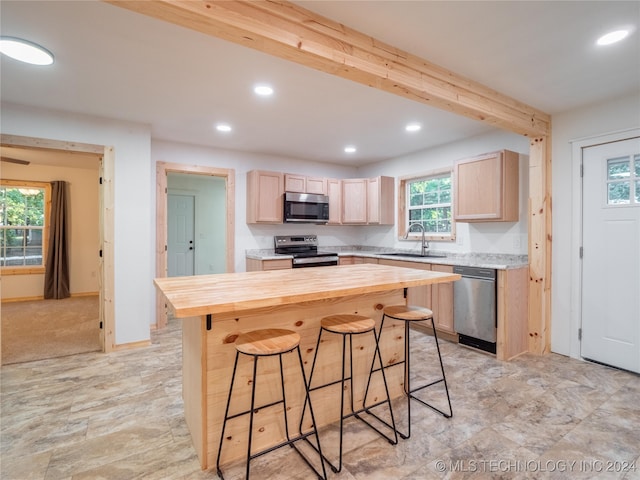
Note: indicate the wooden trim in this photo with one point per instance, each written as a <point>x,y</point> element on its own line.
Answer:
<point>131,346</point>
<point>540,245</point>
<point>40,297</point>
<point>162,169</point>
<point>289,31</point>
<point>107,265</point>
<point>402,206</point>
<point>48,144</point>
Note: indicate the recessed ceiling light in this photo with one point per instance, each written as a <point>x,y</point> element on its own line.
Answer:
<point>25,51</point>
<point>349,149</point>
<point>223,127</point>
<point>613,37</point>
<point>413,127</point>
<point>263,90</point>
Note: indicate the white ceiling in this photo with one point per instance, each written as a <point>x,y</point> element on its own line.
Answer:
<point>117,64</point>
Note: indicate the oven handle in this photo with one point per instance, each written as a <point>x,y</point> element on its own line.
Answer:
<point>308,260</point>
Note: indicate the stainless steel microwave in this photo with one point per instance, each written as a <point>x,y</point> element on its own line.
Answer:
<point>306,208</point>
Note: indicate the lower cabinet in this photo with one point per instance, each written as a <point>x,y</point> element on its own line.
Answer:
<point>253,265</point>
<point>437,297</point>
<point>442,301</point>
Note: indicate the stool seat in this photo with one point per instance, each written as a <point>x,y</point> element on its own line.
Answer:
<point>269,341</point>
<point>347,323</point>
<point>408,312</point>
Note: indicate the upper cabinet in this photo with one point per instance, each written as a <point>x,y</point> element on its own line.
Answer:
<point>334,191</point>
<point>486,188</point>
<point>354,201</point>
<point>368,201</point>
<point>380,204</point>
<point>302,184</point>
<point>264,197</point>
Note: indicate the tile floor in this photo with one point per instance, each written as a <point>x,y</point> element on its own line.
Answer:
<point>120,416</point>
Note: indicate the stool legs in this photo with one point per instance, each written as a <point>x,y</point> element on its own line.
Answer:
<point>289,441</point>
<point>342,381</point>
<point>409,392</point>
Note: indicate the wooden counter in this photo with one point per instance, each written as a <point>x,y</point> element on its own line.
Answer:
<point>217,308</point>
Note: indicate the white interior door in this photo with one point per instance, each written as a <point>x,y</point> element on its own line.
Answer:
<point>611,254</point>
<point>180,235</point>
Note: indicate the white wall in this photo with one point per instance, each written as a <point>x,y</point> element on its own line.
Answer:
<point>508,237</point>
<point>132,210</point>
<point>593,121</point>
<point>258,236</point>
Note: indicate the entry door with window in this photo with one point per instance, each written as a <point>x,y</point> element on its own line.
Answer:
<point>611,254</point>
<point>180,235</point>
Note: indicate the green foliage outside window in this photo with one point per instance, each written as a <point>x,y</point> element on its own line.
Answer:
<point>621,172</point>
<point>22,212</point>
<point>430,203</point>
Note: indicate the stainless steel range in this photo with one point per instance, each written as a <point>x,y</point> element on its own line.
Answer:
<point>304,249</point>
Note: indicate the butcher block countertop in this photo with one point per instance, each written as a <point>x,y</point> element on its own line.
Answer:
<point>231,292</point>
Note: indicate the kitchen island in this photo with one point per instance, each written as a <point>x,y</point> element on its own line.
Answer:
<point>216,308</point>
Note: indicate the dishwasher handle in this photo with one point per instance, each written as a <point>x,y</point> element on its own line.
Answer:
<point>476,272</point>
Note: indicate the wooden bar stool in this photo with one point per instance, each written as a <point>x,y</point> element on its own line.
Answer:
<point>348,325</point>
<point>408,314</point>
<point>268,343</point>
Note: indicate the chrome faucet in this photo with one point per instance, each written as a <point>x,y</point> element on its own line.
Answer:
<point>425,244</point>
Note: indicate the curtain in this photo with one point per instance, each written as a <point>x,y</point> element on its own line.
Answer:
<point>56,276</point>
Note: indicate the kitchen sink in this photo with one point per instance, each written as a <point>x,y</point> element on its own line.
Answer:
<point>414,255</point>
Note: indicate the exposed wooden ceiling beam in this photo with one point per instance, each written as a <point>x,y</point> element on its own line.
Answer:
<point>288,31</point>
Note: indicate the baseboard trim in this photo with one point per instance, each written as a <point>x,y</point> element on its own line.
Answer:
<point>41,297</point>
<point>131,346</point>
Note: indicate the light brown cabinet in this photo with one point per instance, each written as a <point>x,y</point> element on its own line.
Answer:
<point>264,197</point>
<point>486,188</point>
<point>419,296</point>
<point>368,201</point>
<point>253,265</point>
<point>334,191</point>
<point>354,201</point>
<point>380,200</point>
<point>442,301</point>
<point>303,184</point>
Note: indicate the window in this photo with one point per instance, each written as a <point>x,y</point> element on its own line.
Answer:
<point>623,180</point>
<point>23,231</point>
<point>428,202</point>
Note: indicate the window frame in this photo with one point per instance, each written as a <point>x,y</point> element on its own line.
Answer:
<point>32,269</point>
<point>403,210</point>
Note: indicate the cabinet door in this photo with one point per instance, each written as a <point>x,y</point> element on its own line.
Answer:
<point>419,296</point>
<point>264,197</point>
<point>442,301</point>
<point>334,190</point>
<point>486,188</point>
<point>294,183</point>
<point>354,200</point>
<point>380,200</point>
<point>316,185</point>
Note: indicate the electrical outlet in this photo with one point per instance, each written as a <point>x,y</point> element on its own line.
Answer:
<point>516,243</point>
<point>459,240</point>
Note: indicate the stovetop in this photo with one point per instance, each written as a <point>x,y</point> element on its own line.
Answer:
<point>300,246</point>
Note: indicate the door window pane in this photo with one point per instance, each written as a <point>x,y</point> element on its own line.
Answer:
<point>618,193</point>
<point>618,168</point>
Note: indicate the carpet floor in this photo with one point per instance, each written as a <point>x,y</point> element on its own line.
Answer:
<point>41,329</point>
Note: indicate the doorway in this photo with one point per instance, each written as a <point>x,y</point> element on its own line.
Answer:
<point>611,254</point>
<point>74,156</point>
<point>213,246</point>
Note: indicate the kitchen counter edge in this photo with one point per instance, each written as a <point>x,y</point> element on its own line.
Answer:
<point>482,260</point>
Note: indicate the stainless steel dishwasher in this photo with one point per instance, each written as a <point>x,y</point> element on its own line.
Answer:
<point>474,307</point>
